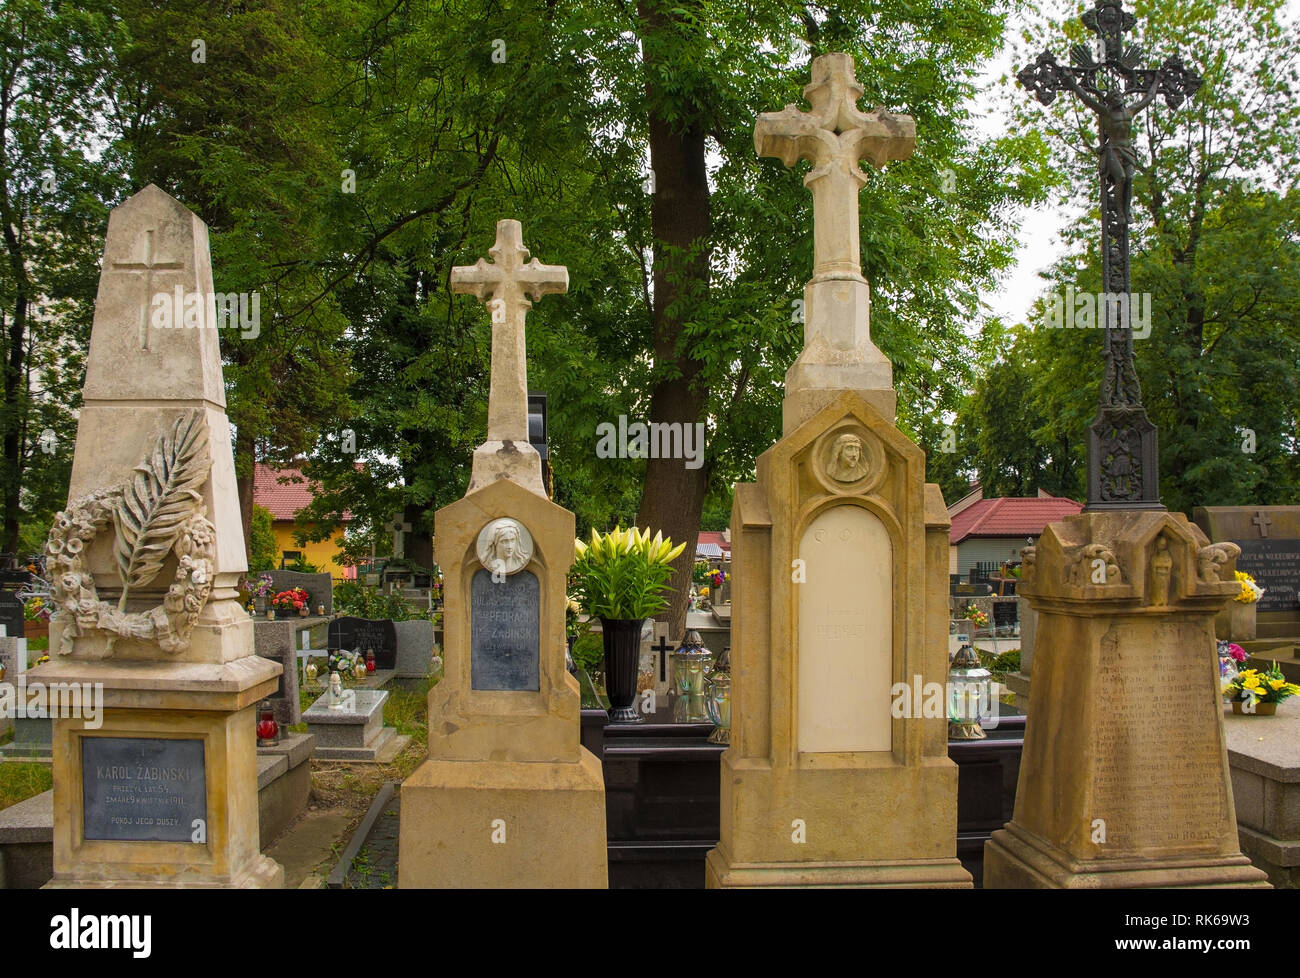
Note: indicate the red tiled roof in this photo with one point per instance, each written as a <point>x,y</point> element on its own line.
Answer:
<point>1010,517</point>
<point>282,498</point>
<point>715,536</point>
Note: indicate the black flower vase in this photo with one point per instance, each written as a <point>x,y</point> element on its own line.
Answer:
<point>622,637</point>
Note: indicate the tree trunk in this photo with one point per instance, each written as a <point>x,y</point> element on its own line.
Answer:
<point>672,498</point>
<point>245,460</point>
<point>11,412</point>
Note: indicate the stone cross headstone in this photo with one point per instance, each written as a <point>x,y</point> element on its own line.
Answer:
<point>144,563</point>
<point>838,353</point>
<point>400,529</point>
<point>839,566</point>
<point>508,286</point>
<point>507,797</point>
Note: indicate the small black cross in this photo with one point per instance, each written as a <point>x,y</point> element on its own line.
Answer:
<point>663,648</point>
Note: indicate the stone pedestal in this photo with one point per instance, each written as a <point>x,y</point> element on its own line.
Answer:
<point>1124,778</point>
<point>839,557</point>
<point>507,796</point>
<point>159,718</point>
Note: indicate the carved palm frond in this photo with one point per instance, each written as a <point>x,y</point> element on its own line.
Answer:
<point>1081,55</point>
<point>1132,56</point>
<point>159,499</point>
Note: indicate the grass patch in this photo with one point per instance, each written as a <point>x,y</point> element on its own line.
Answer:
<point>20,781</point>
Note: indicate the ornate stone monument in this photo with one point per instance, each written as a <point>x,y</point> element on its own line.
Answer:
<point>839,562</point>
<point>144,563</point>
<point>1124,778</point>
<point>507,796</point>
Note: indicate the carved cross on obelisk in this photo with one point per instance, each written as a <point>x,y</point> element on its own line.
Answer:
<point>506,286</point>
<point>147,268</point>
<point>1122,442</point>
<point>838,353</point>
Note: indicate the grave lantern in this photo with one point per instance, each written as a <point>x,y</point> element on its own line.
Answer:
<point>717,701</point>
<point>969,689</point>
<point>690,667</point>
<point>268,731</point>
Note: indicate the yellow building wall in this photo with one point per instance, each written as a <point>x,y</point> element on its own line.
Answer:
<point>324,553</point>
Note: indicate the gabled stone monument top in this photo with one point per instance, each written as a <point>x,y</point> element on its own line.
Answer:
<point>508,286</point>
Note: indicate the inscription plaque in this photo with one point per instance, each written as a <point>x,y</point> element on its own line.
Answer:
<point>1157,774</point>
<point>1275,566</point>
<point>359,634</point>
<point>11,614</point>
<point>505,625</point>
<point>142,789</point>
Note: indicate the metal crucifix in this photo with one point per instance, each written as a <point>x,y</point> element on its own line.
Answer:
<point>1122,446</point>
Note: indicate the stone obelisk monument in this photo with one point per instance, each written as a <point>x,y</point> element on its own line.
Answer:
<point>840,555</point>
<point>507,796</point>
<point>143,564</point>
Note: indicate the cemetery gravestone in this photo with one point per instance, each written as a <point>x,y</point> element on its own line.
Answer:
<point>319,588</point>
<point>362,634</point>
<point>839,561</point>
<point>153,438</point>
<point>1269,538</point>
<point>414,647</point>
<point>1123,783</point>
<point>274,640</point>
<point>11,615</point>
<point>507,797</point>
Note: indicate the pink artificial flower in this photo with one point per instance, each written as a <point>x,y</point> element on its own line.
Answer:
<point>1237,652</point>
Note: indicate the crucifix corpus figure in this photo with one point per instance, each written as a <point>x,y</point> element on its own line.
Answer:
<point>1104,79</point>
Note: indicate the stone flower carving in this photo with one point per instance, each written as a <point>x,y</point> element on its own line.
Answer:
<point>158,512</point>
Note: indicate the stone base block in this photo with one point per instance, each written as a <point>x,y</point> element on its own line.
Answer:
<point>1017,860</point>
<point>504,824</point>
<point>263,873</point>
<point>380,747</point>
<point>909,874</point>
<point>1018,683</point>
<point>1280,859</point>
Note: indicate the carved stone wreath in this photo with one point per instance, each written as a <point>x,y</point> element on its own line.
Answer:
<point>160,510</point>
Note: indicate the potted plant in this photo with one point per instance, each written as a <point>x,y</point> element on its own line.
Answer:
<point>259,589</point>
<point>622,578</point>
<point>36,619</point>
<point>1237,621</point>
<point>1258,693</point>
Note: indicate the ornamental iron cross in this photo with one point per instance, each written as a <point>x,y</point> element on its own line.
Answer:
<point>505,287</point>
<point>1122,447</point>
<point>834,136</point>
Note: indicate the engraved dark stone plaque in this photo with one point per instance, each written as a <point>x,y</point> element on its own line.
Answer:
<point>505,624</point>
<point>142,789</point>
<point>11,614</point>
<point>359,634</point>
<point>1275,566</point>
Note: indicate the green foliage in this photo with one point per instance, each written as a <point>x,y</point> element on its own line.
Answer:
<point>589,650</point>
<point>262,551</point>
<point>302,565</point>
<point>351,598</point>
